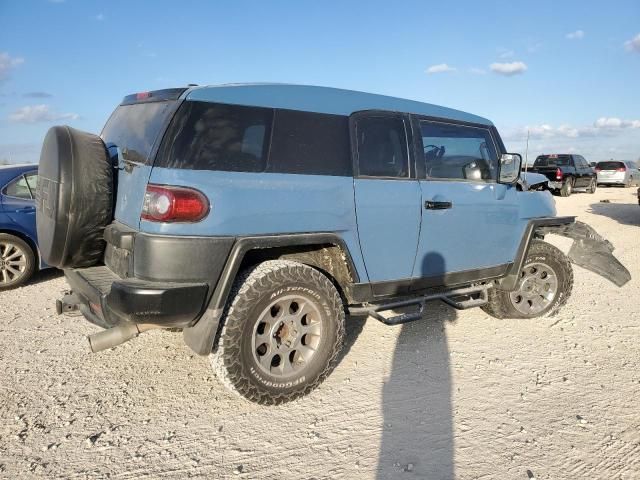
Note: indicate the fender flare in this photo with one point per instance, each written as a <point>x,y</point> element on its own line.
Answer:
<point>200,337</point>
<point>589,250</point>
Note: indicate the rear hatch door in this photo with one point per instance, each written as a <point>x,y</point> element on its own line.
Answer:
<point>132,135</point>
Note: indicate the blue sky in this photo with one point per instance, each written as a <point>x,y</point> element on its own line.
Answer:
<point>567,71</point>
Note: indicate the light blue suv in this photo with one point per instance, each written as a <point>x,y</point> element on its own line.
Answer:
<point>257,217</point>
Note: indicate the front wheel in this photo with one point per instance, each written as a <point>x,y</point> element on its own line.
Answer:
<point>17,261</point>
<point>544,286</point>
<point>283,330</point>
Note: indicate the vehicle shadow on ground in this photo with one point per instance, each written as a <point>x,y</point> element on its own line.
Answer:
<point>623,213</point>
<point>45,275</point>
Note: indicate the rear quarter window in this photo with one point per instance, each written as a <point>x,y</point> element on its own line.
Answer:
<point>210,136</point>
<point>310,143</point>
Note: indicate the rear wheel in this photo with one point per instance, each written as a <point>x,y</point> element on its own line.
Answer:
<point>282,332</point>
<point>592,186</point>
<point>17,261</point>
<point>567,188</point>
<point>544,286</point>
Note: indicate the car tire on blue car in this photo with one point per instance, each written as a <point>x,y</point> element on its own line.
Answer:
<point>544,286</point>
<point>17,261</point>
<point>281,334</point>
<point>74,198</point>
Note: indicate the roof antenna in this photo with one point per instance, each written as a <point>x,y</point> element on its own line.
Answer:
<point>526,154</point>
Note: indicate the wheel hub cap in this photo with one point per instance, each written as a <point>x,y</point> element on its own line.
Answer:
<point>287,335</point>
<point>536,290</point>
<point>13,262</point>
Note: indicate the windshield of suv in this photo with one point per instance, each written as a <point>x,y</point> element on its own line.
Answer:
<point>555,161</point>
<point>135,128</point>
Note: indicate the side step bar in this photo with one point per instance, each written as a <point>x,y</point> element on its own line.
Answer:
<point>460,298</point>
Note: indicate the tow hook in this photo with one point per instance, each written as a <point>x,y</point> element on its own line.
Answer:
<point>69,303</point>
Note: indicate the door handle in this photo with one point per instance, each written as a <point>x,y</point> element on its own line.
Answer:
<point>431,205</point>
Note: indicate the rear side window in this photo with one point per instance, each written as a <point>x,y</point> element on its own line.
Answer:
<point>310,143</point>
<point>458,152</point>
<point>382,147</point>
<point>210,136</point>
<point>610,165</point>
<point>23,187</point>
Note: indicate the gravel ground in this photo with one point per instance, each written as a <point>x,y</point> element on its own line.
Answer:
<point>458,394</point>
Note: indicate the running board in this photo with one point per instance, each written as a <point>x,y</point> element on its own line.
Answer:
<point>460,298</point>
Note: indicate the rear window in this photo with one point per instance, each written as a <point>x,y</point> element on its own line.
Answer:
<point>135,128</point>
<point>209,136</point>
<point>553,161</point>
<point>610,165</point>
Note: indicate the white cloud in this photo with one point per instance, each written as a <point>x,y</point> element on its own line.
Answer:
<point>577,35</point>
<point>8,63</point>
<point>477,71</point>
<point>508,69</point>
<point>612,123</point>
<point>633,45</point>
<point>440,68</point>
<point>39,113</point>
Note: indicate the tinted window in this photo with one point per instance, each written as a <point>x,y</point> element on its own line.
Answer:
<point>458,152</point>
<point>382,147</point>
<point>310,143</point>
<point>135,128</point>
<point>553,161</point>
<point>610,165</point>
<point>23,187</point>
<point>210,136</point>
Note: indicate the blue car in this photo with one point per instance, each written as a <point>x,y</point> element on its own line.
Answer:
<point>19,256</point>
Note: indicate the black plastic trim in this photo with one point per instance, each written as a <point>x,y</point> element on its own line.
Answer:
<point>367,292</point>
<point>510,280</point>
<point>245,244</point>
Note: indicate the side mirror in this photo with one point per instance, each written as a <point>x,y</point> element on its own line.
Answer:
<point>510,164</point>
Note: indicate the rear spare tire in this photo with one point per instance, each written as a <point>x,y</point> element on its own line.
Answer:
<point>74,197</point>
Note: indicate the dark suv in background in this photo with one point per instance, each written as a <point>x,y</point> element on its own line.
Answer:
<point>566,172</point>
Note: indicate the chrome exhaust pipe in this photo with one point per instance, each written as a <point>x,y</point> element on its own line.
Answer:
<point>112,337</point>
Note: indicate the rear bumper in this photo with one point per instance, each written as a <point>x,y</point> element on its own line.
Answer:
<point>107,300</point>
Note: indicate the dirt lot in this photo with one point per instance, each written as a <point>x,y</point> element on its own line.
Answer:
<point>458,394</point>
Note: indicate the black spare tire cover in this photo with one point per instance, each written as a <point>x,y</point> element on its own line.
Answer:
<point>74,198</point>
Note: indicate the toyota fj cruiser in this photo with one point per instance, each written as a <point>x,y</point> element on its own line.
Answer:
<point>256,217</point>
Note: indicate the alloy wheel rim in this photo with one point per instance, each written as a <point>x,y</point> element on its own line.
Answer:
<point>287,335</point>
<point>536,290</point>
<point>13,263</point>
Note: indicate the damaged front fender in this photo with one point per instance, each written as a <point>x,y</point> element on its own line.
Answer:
<point>591,251</point>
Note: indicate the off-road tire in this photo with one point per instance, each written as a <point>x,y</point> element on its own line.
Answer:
<point>567,188</point>
<point>499,303</point>
<point>233,356</point>
<point>29,259</point>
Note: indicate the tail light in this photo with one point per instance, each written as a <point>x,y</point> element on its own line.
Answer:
<point>163,203</point>
<point>558,174</point>
<point>597,169</point>
<point>621,169</point>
